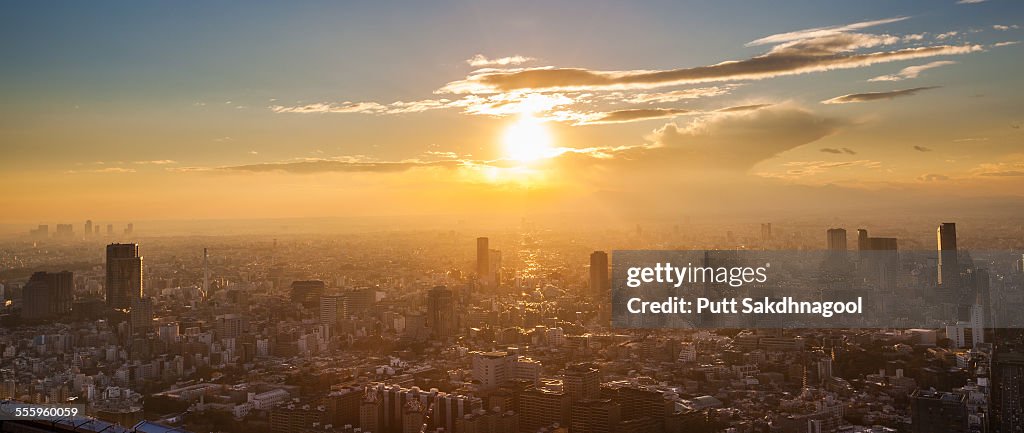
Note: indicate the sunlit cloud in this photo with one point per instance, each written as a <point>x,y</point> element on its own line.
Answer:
<point>838,151</point>
<point>156,162</point>
<point>911,72</point>
<point>876,96</point>
<point>1004,28</point>
<point>480,60</point>
<point>821,31</point>
<point>800,169</point>
<point>969,2</point>
<point>933,177</point>
<point>679,95</point>
<point>800,57</point>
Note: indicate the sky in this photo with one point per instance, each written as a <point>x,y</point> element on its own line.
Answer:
<point>219,110</point>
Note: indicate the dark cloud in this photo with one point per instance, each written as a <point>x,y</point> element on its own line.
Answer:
<point>922,149</point>
<point>876,96</point>
<point>843,150</point>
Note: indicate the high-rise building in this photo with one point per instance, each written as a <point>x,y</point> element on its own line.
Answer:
<point>142,315</point>
<point>330,308</point>
<point>307,292</point>
<point>357,302</point>
<point>110,229</point>
<point>540,408</point>
<point>938,412</point>
<point>124,275</point>
<point>129,229</point>
<point>581,381</point>
<point>483,257</point>
<point>64,231</point>
<point>1007,404</point>
<point>88,227</point>
<point>862,239</point>
<point>491,369</point>
<point>47,295</point>
<point>595,416</point>
<point>837,240</point>
<point>599,282</point>
<point>441,313</point>
<point>949,266</point>
<point>766,232</point>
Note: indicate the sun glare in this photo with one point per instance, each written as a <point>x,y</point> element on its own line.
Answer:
<point>527,140</point>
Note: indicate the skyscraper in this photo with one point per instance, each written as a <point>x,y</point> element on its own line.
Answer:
<point>837,240</point>
<point>766,232</point>
<point>124,275</point>
<point>441,313</point>
<point>599,282</point>
<point>47,295</point>
<point>949,267</point>
<point>88,227</point>
<point>483,257</point>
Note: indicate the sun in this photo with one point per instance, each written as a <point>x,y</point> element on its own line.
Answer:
<point>528,139</point>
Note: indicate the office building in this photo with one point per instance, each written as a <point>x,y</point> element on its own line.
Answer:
<point>938,412</point>
<point>948,265</point>
<point>599,282</point>
<point>540,408</point>
<point>483,256</point>
<point>581,381</point>
<point>124,275</point>
<point>47,295</point>
<point>307,292</point>
<point>837,240</point>
<point>595,416</point>
<point>441,313</point>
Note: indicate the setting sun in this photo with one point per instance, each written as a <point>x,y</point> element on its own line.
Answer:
<point>528,139</point>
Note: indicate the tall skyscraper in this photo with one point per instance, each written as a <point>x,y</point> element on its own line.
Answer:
<point>483,257</point>
<point>837,240</point>
<point>441,313</point>
<point>124,275</point>
<point>862,239</point>
<point>47,295</point>
<point>88,227</point>
<point>110,229</point>
<point>141,315</point>
<point>766,232</point>
<point>599,282</point>
<point>949,266</point>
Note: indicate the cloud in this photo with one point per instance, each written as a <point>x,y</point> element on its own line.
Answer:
<point>737,141</point>
<point>969,2</point>
<point>844,150</point>
<point>320,107</point>
<point>967,140</point>
<point>480,60</point>
<point>1005,173</point>
<point>325,166</point>
<point>156,162</point>
<point>875,96</point>
<point>636,114</point>
<point>932,177</point>
<point>947,35</point>
<point>678,95</point>
<point>1004,28</point>
<point>799,169</point>
<point>820,31</point>
<point>922,149</point>
<point>738,108</point>
<point>912,71</point>
<point>799,57</point>
<point>1005,44</point>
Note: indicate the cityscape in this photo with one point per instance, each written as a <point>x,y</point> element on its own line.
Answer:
<point>445,331</point>
<point>530,216</point>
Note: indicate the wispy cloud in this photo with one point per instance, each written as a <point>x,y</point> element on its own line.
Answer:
<point>969,2</point>
<point>912,71</point>
<point>633,115</point>
<point>1006,43</point>
<point>933,177</point>
<point>821,31</point>
<point>800,57</point>
<point>481,60</point>
<point>875,96</point>
<point>156,162</point>
<point>1004,28</point>
<point>842,150</point>
<point>922,148</point>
